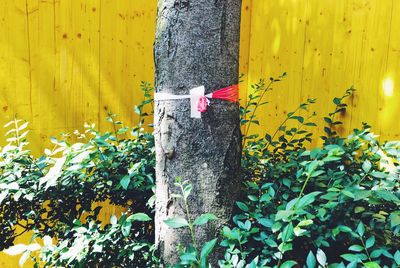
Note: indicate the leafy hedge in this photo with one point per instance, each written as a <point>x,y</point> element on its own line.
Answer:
<point>336,205</point>
<point>52,194</point>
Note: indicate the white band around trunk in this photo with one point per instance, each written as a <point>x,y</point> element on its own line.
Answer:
<point>195,94</point>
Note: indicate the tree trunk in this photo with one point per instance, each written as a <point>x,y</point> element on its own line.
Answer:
<point>197,43</point>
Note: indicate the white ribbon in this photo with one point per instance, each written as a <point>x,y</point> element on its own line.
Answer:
<point>169,96</point>
<point>195,95</point>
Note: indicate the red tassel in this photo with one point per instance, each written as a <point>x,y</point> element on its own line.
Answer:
<point>230,93</point>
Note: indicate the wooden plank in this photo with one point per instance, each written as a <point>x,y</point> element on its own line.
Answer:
<point>325,43</point>
<point>126,41</point>
<point>338,44</point>
<point>245,30</point>
<point>389,116</point>
<point>45,110</point>
<point>78,36</point>
<point>276,46</point>
<point>15,69</point>
<point>16,85</point>
<point>372,19</point>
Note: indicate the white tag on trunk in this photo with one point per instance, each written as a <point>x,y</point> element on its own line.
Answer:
<point>195,95</point>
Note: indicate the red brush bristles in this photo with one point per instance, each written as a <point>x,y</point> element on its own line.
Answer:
<point>230,93</point>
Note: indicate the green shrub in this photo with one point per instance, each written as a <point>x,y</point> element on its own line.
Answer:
<point>51,194</point>
<point>336,205</point>
<point>120,243</point>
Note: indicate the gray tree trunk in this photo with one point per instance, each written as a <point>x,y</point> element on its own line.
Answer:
<point>197,43</point>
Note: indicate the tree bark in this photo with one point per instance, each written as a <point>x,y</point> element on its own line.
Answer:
<point>197,43</point>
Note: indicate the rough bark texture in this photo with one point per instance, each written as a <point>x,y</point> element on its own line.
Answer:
<point>197,43</point>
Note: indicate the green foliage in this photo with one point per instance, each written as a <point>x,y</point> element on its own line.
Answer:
<point>189,254</point>
<point>333,205</point>
<point>90,245</point>
<point>49,195</point>
<point>338,203</point>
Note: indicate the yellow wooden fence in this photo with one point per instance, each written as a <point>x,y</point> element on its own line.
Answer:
<point>65,62</point>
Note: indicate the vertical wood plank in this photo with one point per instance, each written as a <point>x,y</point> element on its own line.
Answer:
<point>245,30</point>
<point>126,45</point>
<point>16,85</point>
<point>79,59</point>
<point>277,46</point>
<point>390,84</point>
<point>373,19</point>
<point>15,77</point>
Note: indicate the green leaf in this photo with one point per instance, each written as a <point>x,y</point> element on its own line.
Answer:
<point>337,101</point>
<point>370,242</point>
<point>288,264</point>
<point>319,172</point>
<point>298,231</point>
<point>265,198</point>
<point>21,248</point>
<point>397,257</point>
<point>125,182</point>
<point>305,223</point>
<point>122,130</point>
<point>3,195</point>
<point>311,261</point>
<point>287,233</point>
<point>204,218</point>
<point>298,118</point>
<point>361,229</point>
<point>230,234</point>
<point>266,222</point>
<point>252,198</point>
<point>188,258</point>
<point>361,194</point>
<point>138,217</point>
<point>350,257</point>
<point>366,166</point>
<point>276,227</point>
<point>176,222</point>
<point>328,120</point>
<point>284,215</point>
<point>50,179</point>
<point>242,206</point>
<point>187,190</point>
<point>24,258</point>
<point>372,265</point>
<point>379,175</point>
<point>359,209</point>
<point>348,193</point>
<point>344,229</point>
<point>321,257</point>
<point>388,196</point>
<point>206,250</point>
<point>394,219</point>
<point>253,263</point>
<point>126,228</point>
<point>376,253</point>
<point>307,199</point>
<point>356,248</point>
